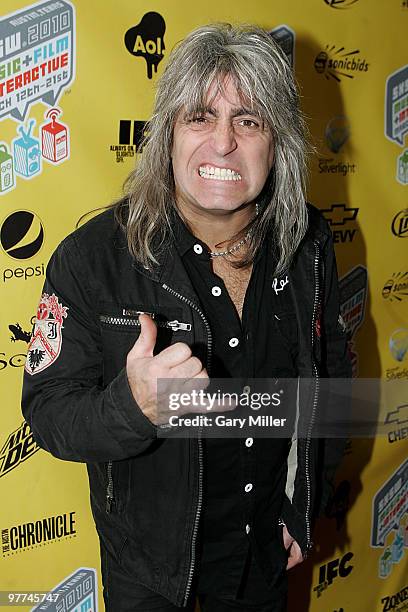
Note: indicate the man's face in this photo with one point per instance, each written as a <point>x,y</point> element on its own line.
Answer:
<point>222,156</point>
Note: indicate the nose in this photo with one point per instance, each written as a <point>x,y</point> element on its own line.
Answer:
<point>223,138</point>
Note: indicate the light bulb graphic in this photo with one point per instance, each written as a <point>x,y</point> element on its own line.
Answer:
<point>399,344</point>
<point>337,133</point>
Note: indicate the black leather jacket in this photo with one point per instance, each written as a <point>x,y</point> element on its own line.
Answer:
<point>146,492</point>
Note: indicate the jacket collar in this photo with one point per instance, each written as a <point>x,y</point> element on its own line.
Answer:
<point>172,271</point>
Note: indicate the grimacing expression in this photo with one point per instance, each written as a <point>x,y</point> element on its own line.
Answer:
<point>221,156</point>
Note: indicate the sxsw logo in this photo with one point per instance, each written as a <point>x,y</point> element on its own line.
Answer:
<point>285,37</point>
<point>77,592</point>
<point>339,216</point>
<point>389,531</point>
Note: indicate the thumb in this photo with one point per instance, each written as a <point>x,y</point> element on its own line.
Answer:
<point>145,343</point>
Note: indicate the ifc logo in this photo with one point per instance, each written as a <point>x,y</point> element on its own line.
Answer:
<point>22,234</point>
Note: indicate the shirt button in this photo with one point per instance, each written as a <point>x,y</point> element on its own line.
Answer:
<point>248,487</point>
<point>198,249</point>
<point>216,291</point>
<point>247,528</point>
<point>233,342</point>
<point>246,390</point>
<point>249,442</point>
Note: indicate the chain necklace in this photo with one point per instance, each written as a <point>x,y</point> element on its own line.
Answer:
<point>232,249</point>
<point>237,246</point>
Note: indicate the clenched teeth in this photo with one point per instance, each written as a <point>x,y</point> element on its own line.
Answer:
<point>220,174</point>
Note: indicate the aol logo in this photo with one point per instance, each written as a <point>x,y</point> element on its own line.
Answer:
<point>153,47</point>
<point>146,39</point>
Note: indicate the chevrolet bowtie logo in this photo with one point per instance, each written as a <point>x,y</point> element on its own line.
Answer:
<point>398,416</point>
<point>339,214</point>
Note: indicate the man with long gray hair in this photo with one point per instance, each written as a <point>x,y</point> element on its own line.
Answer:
<point>212,266</point>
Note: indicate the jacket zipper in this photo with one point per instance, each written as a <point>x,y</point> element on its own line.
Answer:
<point>309,543</point>
<point>174,325</point>
<point>200,445</point>
<point>112,320</point>
<point>109,489</point>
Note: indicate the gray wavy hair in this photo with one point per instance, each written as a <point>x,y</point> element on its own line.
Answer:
<point>263,78</point>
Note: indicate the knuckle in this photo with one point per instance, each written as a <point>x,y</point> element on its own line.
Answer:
<point>183,349</point>
<point>196,363</point>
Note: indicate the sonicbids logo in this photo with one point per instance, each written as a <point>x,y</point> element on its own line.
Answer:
<point>337,63</point>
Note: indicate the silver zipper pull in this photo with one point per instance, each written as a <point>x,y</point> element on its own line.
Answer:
<point>175,325</point>
<point>126,312</point>
<point>109,504</point>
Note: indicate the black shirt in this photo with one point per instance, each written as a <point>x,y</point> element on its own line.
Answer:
<point>244,479</point>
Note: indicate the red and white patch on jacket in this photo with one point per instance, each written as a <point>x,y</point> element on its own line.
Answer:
<point>46,341</point>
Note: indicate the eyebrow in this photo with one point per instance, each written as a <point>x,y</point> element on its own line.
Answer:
<point>235,112</point>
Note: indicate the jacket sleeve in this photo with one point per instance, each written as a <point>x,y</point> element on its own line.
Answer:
<point>69,411</point>
<point>336,365</point>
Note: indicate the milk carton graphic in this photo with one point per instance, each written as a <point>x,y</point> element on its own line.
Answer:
<point>27,154</point>
<point>385,564</point>
<point>54,138</point>
<point>6,169</point>
<point>402,168</point>
<point>397,548</point>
